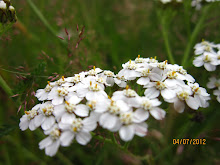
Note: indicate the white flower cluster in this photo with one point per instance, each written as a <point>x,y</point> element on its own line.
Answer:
<point>71,107</point>
<point>208,54</point>
<point>195,3</point>
<point>168,1</point>
<point>198,3</point>
<point>215,84</point>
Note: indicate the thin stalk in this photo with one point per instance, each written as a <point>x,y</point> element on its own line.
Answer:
<point>167,43</point>
<point>194,35</point>
<point>187,6</point>
<point>45,22</point>
<point>41,17</point>
<point>5,87</point>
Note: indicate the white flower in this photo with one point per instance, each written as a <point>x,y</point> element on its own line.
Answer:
<point>184,95</point>
<point>66,109</point>
<point>217,93</point>
<point>91,91</point>
<point>209,60</point>
<point>2,5</point>
<point>151,106</point>
<point>120,81</point>
<point>42,94</point>
<point>129,71</point>
<point>129,126</point>
<point>155,88</point>
<point>213,83</point>
<point>204,47</point>
<point>127,95</point>
<point>109,77</point>
<point>45,117</point>
<point>59,94</point>
<point>110,110</point>
<point>52,142</point>
<point>200,94</point>
<point>77,128</point>
<point>165,1</point>
<point>94,71</point>
<point>28,120</point>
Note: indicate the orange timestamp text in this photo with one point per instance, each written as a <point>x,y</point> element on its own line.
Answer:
<point>190,141</point>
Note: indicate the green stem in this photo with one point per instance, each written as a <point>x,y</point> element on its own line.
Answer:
<point>45,22</point>
<point>113,137</point>
<point>41,17</point>
<point>195,33</point>
<point>5,87</point>
<point>167,43</point>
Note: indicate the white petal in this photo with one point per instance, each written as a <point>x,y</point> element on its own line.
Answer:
<point>140,115</point>
<point>151,92</point>
<point>59,110</point>
<point>141,129</point>
<point>73,98</point>
<point>108,121</point>
<point>41,94</point>
<point>127,132</point>
<point>179,106</point>
<point>66,138</point>
<point>32,126</point>
<point>89,124</point>
<point>192,103</point>
<point>209,67</point>
<point>67,118</point>
<point>39,119</point>
<point>48,123</point>
<point>57,100</point>
<point>45,142</point>
<point>52,149</point>
<point>168,94</point>
<point>24,123</point>
<point>83,138</point>
<point>82,110</point>
<point>143,81</point>
<point>158,113</point>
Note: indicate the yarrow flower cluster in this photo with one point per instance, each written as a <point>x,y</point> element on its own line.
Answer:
<point>71,108</point>
<point>208,54</point>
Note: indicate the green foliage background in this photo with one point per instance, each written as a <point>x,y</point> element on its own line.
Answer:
<point>115,31</point>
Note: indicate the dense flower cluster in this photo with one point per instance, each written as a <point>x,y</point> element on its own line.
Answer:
<point>72,107</point>
<point>208,54</point>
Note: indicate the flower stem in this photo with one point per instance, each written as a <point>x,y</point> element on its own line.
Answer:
<point>195,33</point>
<point>164,27</point>
<point>45,22</point>
<point>5,87</point>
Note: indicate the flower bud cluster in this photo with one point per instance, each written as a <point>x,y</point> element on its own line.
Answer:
<point>7,12</point>
<point>72,107</point>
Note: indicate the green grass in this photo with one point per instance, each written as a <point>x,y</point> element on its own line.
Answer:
<point>115,31</point>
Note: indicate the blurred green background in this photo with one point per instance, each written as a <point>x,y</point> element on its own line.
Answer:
<point>114,31</point>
